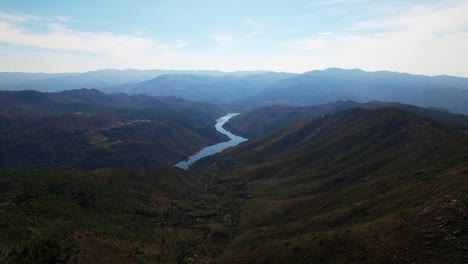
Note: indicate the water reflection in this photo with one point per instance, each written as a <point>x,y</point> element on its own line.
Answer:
<point>213,149</point>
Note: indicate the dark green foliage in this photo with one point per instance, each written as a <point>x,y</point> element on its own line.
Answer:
<point>377,186</point>
<point>109,130</point>
<point>42,251</point>
<point>106,215</point>
<point>263,120</point>
<point>136,145</point>
<point>357,186</point>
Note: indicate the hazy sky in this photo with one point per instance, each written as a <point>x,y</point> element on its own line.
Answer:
<point>424,37</point>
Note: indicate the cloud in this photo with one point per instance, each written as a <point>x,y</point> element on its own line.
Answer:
<point>64,19</point>
<point>440,16</point>
<point>255,28</point>
<point>250,21</point>
<point>335,2</point>
<point>427,39</point>
<point>61,38</point>
<point>308,43</point>
<point>224,39</point>
<point>15,18</point>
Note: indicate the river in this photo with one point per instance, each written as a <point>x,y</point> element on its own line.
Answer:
<point>213,149</point>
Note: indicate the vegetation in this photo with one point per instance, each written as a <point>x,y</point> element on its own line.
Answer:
<point>262,120</point>
<point>116,131</point>
<point>107,216</point>
<point>380,186</point>
<point>356,186</point>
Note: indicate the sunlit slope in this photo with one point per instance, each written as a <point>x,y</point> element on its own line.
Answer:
<point>377,186</point>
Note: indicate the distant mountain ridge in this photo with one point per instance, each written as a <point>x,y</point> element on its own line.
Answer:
<point>216,89</point>
<point>56,82</point>
<point>240,91</point>
<point>318,87</point>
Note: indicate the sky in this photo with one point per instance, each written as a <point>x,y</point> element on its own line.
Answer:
<point>420,37</point>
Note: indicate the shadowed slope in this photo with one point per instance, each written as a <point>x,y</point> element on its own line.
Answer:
<point>88,129</point>
<point>263,120</point>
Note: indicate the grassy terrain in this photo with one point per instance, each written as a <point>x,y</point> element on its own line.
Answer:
<point>358,186</point>
<point>107,216</point>
<point>379,186</point>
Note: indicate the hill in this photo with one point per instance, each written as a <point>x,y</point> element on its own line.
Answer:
<point>240,91</point>
<point>374,186</point>
<point>344,182</point>
<point>91,101</point>
<point>88,129</point>
<point>319,87</point>
<point>263,120</point>
<point>215,89</point>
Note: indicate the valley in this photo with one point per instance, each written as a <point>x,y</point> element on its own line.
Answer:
<point>357,186</point>
<point>88,129</point>
<point>234,132</point>
<point>210,150</point>
<point>89,177</point>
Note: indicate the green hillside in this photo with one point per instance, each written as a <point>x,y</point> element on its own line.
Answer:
<point>262,120</point>
<point>376,186</point>
<point>87,129</point>
<point>357,186</point>
<point>107,216</point>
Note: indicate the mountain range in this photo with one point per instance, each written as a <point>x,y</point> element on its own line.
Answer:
<point>239,91</point>
<point>341,166</point>
<point>219,89</point>
<point>310,88</point>
<point>330,85</point>
<point>56,82</point>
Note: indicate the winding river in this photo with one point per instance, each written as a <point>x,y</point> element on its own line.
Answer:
<point>213,149</point>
